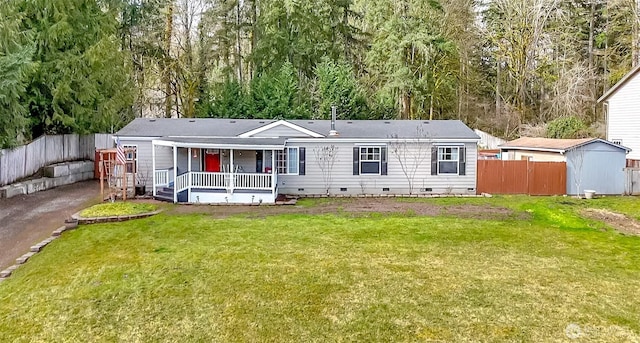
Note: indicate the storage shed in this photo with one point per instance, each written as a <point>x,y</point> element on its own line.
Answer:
<point>592,163</point>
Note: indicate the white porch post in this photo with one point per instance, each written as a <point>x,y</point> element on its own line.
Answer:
<point>273,171</point>
<point>153,167</point>
<point>231,171</point>
<point>175,173</point>
<point>189,174</point>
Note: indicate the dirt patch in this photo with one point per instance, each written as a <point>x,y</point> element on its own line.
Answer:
<point>357,207</point>
<point>618,221</point>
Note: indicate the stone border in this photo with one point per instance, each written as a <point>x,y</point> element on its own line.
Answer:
<point>36,249</point>
<point>95,220</point>
<point>69,224</point>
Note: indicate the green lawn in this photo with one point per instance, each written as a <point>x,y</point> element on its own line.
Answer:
<point>120,208</point>
<point>335,278</point>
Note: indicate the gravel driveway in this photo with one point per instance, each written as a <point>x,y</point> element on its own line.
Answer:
<point>28,219</point>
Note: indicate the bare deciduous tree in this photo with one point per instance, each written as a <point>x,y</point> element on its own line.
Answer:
<point>576,159</point>
<point>574,94</point>
<point>326,157</point>
<point>411,153</point>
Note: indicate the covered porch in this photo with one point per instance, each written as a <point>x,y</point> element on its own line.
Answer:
<point>216,170</point>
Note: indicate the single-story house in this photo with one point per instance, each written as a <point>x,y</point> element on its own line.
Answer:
<point>621,107</point>
<point>253,160</point>
<point>592,163</point>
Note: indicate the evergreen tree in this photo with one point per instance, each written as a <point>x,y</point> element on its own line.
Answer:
<point>82,80</point>
<point>16,51</point>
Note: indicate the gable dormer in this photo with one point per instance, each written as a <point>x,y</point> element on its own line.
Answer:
<point>280,128</point>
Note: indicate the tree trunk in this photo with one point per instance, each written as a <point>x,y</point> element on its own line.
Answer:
<point>635,35</point>
<point>238,42</point>
<point>167,61</point>
<point>405,105</point>
<point>254,29</point>
<point>498,95</point>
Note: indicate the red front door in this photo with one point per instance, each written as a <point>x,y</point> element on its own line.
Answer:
<point>212,163</point>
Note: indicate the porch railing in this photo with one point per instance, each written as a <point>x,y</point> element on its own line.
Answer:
<point>162,177</point>
<point>252,181</point>
<point>208,180</point>
<point>182,182</point>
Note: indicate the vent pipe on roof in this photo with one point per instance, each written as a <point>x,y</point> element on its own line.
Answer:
<point>333,131</point>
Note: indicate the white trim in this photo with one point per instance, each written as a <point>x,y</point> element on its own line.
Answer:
<point>153,167</point>
<point>175,174</point>
<point>288,161</point>
<point>370,141</point>
<point>379,147</point>
<point>457,161</point>
<point>278,123</point>
<point>628,76</point>
<point>136,138</point>
<point>169,143</point>
<point>562,151</point>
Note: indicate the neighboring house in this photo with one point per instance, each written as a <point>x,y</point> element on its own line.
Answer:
<point>487,141</point>
<point>622,105</point>
<point>253,161</point>
<point>592,163</point>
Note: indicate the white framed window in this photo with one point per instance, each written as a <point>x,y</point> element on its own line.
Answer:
<point>448,160</point>
<point>287,161</point>
<point>131,156</point>
<point>370,160</point>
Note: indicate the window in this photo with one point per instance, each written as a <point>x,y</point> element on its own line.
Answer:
<point>287,161</point>
<point>131,156</point>
<point>448,159</point>
<point>370,158</point>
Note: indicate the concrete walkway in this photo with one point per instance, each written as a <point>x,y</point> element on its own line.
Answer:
<point>28,219</point>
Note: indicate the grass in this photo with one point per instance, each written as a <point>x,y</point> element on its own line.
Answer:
<point>117,209</point>
<point>334,278</point>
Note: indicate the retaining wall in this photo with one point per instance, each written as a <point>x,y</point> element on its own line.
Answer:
<point>55,175</point>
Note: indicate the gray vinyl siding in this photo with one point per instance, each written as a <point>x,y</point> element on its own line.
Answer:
<point>622,116</point>
<point>243,160</point>
<point>143,150</point>
<point>281,131</point>
<point>602,169</point>
<point>395,180</point>
<point>183,160</point>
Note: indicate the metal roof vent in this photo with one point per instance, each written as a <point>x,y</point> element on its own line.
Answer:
<point>333,131</point>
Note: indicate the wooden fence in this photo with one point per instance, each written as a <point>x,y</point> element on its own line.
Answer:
<point>26,160</point>
<point>632,181</point>
<point>522,177</point>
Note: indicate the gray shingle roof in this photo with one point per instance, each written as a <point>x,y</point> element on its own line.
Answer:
<point>213,127</point>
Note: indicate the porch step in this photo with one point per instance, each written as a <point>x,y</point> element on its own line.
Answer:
<point>164,194</point>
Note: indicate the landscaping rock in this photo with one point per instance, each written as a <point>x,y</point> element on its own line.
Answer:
<point>24,258</point>
<point>13,190</point>
<point>36,185</point>
<point>56,170</point>
<point>59,231</point>
<point>7,272</point>
<point>70,224</point>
